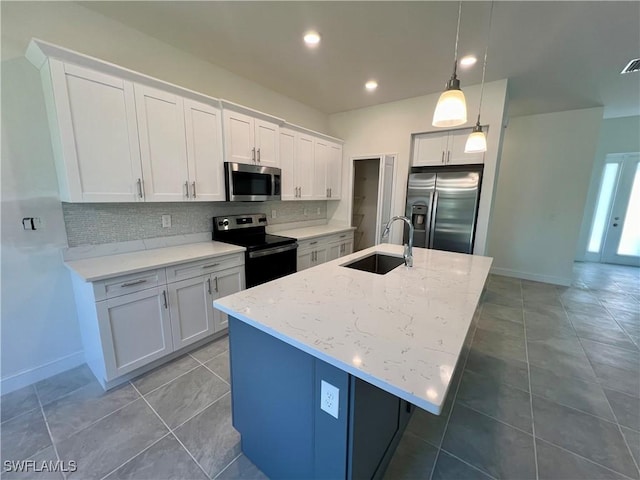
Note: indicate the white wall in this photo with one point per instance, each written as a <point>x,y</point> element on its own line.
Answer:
<point>617,135</point>
<point>39,329</point>
<point>387,128</point>
<point>544,176</point>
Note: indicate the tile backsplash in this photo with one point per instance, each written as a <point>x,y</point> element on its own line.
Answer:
<point>99,223</point>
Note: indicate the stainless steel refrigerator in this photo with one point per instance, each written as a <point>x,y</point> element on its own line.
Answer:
<point>442,203</point>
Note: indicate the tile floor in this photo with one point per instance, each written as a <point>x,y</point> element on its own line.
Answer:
<point>550,388</point>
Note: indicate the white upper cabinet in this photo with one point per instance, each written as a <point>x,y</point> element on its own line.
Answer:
<point>288,186</point>
<point>163,145</point>
<point>334,171</point>
<point>444,148</point>
<point>321,158</point>
<point>203,125</point>
<point>297,164</point>
<point>305,155</point>
<point>94,132</point>
<point>250,140</point>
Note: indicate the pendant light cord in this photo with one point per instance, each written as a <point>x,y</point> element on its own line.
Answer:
<point>484,65</point>
<point>455,53</point>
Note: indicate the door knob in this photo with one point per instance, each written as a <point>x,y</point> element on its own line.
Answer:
<point>615,224</point>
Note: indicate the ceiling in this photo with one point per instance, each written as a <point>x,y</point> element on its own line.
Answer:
<point>557,55</point>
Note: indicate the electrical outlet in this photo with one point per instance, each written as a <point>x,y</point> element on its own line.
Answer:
<point>318,211</point>
<point>305,212</point>
<point>274,214</point>
<point>329,398</point>
<point>166,221</point>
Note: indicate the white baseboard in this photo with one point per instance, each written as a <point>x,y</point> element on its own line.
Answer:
<point>33,375</point>
<point>565,282</point>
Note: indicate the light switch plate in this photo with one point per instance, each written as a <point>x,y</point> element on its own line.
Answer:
<point>329,398</point>
<point>166,221</point>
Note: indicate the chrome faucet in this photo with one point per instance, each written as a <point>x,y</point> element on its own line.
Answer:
<point>408,249</point>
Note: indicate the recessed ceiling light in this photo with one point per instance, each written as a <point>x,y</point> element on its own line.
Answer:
<point>371,85</point>
<point>468,61</point>
<point>312,39</point>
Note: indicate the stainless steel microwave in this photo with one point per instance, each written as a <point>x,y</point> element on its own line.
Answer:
<point>251,183</point>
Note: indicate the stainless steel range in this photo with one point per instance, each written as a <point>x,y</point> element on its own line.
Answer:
<point>267,257</point>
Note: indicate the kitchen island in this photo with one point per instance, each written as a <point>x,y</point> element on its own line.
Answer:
<point>383,342</point>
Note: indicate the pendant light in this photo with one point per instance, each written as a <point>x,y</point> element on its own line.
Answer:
<point>477,141</point>
<point>451,109</point>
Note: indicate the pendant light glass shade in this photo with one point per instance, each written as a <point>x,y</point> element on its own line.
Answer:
<point>476,142</point>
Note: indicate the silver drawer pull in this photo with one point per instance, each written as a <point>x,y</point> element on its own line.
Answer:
<point>209,285</point>
<point>216,282</point>
<point>136,282</point>
<point>194,189</point>
<point>164,296</point>
<point>313,243</point>
<point>342,236</point>
<point>211,266</point>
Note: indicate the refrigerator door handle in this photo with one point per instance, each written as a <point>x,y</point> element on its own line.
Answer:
<point>432,221</point>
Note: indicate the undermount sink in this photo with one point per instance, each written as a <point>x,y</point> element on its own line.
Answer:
<point>376,263</point>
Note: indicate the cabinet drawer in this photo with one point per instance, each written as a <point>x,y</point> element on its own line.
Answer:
<point>135,282</point>
<point>339,237</point>
<point>201,267</point>
<point>310,244</point>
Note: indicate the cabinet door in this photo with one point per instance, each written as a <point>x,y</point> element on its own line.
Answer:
<point>334,171</point>
<point>334,251</point>
<point>304,163</point>
<point>98,155</point>
<point>225,283</point>
<point>430,149</point>
<point>163,148</point>
<point>347,248</point>
<point>456,154</point>
<point>320,159</point>
<point>191,308</point>
<point>267,144</point>
<point>135,330</point>
<point>322,253</point>
<point>203,125</point>
<point>238,137</point>
<point>304,260</point>
<point>287,158</point>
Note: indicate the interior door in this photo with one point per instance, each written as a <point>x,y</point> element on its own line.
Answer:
<point>385,195</point>
<point>622,235</point>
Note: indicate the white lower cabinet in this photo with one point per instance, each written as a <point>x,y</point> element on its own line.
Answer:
<point>340,249</point>
<point>319,250</point>
<point>131,321</point>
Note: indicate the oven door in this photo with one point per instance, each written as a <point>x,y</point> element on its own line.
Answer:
<point>251,183</point>
<point>262,266</point>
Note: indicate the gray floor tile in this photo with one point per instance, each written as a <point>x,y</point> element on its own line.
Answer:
<point>413,459</point>
<point>497,400</point>
<point>449,467</point>
<point>617,378</point>
<point>633,440</point>
<point>211,350</point>
<point>565,344</point>
<point>502,299</point>
<point>502,346</point>
<point>626,408</point>
<point>64,383</point>
<point>18,402</point>
<point>86,405</point>
<point>509,372</point>
<point>24,435</point>
<point>501,326</point>
<point>579,296</point>
<point>220,366</point>
<point>585,308</point>
<point>429,427</point>
<point>211,438</point>
<point>630,305</point>
<point>242,469</point>
<point>588,436</point>
<point>545,310</point>
<point>593,322</point>
<point>616,338</point>
<point>557,464</point>
<point>504,288</point>
<point>179,400</point>
<point>537,320</point>
<point>109,443</point>
<point>614,356</point>
<point>165,460</point>
<point>534,298</point>
<point>502,311</point>
<point>630,321</point>
<point>541,287</point>
<point>491,446</point>
<point>562,363</point>
<point>572,392</point>
<point>46,455</point>
<point>164,374</point>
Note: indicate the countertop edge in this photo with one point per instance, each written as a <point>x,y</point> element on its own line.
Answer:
<point>329,230</point>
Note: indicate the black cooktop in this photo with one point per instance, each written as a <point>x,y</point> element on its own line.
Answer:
<point>247,231</point>
<point>256,241</point>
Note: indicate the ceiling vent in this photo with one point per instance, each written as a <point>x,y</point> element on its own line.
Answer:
<point>632,66</point>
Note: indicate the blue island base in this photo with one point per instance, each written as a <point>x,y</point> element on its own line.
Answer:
<point>275,390</point>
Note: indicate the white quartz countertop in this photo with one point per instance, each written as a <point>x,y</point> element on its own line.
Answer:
<point>99,268</point>
<point>306,233</point>
<point>402,332</point>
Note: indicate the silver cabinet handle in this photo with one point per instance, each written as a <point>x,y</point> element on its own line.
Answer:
<point>216,282</point>
<point>139,187</point>
<point>253,154</point>
<point>211,265</point>
<point>194,189</point>
<point>313,256</point>
<point>342,236</point>
<point>327,193</point>
<point>448,156</point>
<point>299,192</point>
<point>209,285</point>
<point>442,161</point>
<point>258,155</point>
<point>330,192</point>
<point>313,243</point>
<point>136,282</point>
<point>186,188</point>
<point>164,295</point>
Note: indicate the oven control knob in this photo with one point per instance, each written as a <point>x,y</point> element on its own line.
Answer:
<point>225,223</point>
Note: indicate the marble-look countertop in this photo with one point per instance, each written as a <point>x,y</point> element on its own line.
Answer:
<point>107,266</point>
<point>402,332</point>
<point>306,233</point>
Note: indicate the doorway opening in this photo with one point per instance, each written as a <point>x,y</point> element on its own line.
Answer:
<point>614,236</point>
<point>372,198</point>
